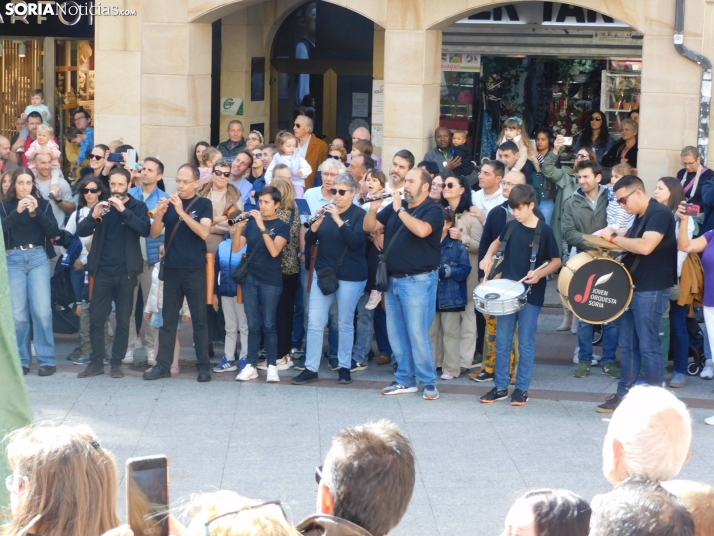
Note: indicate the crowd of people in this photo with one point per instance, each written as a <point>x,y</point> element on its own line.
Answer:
<point>365,486</point>
<point>264,246</point>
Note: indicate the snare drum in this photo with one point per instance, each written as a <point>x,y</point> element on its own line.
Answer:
<point>500,297</point>
<point>595,287</point>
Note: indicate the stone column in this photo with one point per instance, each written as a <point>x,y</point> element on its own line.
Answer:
<point>412,62</point>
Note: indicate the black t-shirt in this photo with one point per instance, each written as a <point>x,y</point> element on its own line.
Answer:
<point>188,250</point>
<point>517,256</point>
<point>411,254</point>
<point>263,266</point>
<point>334,239</point>
<point>112,260</point>
<point>658,270</point>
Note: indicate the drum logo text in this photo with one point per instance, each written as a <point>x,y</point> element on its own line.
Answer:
<point>585,296</point>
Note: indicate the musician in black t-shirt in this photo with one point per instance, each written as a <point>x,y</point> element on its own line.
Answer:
<point>413,258</point>
<point>190,217</point>
<point>652,261</point>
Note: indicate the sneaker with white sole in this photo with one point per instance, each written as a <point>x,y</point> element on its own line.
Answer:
<point>430,393</point>
<point>225,366</point>
<point>396,388</point>
<point>285,362</point>
<point>248,373</point>
<point>576,359</point>
<point>83,360</point>
<point>150,357</point>
<point>708,372</point>
<point>128,358</point>
<point>373,302</point>
<point>272,374</point>
<point>709,420</point>
<point>447,376</point>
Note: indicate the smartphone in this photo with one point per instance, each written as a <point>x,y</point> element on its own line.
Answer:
<point>131,158</point>
<point>147,495</point>
<point>690,209</point>
<point>115,157</point>
<point>567,140</point>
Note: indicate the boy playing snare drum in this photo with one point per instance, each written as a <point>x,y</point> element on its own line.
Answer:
<point>521,257</point>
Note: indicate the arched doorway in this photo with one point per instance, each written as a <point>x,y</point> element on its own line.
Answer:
<point>548,63</point>
<point>321,65</point>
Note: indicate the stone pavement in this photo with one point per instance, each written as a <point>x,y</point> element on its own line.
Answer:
<point>265,440</point>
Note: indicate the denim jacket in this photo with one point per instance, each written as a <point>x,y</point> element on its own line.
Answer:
<point>454,268</point>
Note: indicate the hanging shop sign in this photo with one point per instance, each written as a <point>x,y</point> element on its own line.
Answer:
<point>465,62</point>
<point>53,18</point>
<point>544,13</point>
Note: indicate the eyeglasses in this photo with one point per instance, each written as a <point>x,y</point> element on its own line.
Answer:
<point>13,482</point>
<point>96,156</point>
<point>623,200</point>
<point>335,156</point>
<point>437,185</point>
<point>261,505</point>
<point>449,185</point>
<point>689,163</point>
<point>257,155</point>
<point>580,155</point>
<point>184,181</point>
<point>335,191</point>
<point>218,173</point>
<point>333,175</point>
<point>253,138</point>
<point>596,118</point>
<point>90,190</point>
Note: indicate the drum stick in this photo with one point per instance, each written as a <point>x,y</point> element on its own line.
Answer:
<point>526,277</point>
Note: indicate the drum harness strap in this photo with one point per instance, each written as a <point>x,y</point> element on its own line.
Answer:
<point>534,249</point>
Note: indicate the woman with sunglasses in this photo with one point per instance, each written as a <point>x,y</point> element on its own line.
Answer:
<point>91,191</point>
<point>340,257</point>
<point>337,152</point>
<point>468,230</point>
<point>565,179</point>
<point>98,161</point>
<point>595,135</point>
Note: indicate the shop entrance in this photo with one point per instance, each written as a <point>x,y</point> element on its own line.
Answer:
<point>322,67</point>
<point>546,62</point>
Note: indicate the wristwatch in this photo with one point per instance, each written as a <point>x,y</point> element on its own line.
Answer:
<point>400,209</point>
<point>613,236</point>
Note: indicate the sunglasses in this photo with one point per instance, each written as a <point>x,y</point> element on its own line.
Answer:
<point>335,191</point>
<point>277,503</point>
<point>257,155</point>
<point>450,185</point>
<point>218,173</point>
<point>623,200</point>
<point>586,156</point>
<point>596,118</point>
<point>297,125</point>
<point>90,190</point>
<point>96,156</point>
<point>336,157</point>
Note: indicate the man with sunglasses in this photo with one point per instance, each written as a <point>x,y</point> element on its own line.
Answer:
<point>152,171</point>
<point>652,263</point>
<point>310,147</point>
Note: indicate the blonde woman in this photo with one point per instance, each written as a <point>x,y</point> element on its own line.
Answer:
<point>225,513</point>
<point>63,482</point>
<point>288,212</point>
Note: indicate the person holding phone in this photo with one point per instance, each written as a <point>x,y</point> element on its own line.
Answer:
<point>695,178</point>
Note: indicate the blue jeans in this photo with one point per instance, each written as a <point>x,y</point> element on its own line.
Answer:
<point>546,206</point>
<point>680,335</point>
<point>527,320</point>
<point>610,335</point>
<point>29,275</point>
<point>333,332</point>
<point>261,306</point>
<point>346,297</point>
<point>639,340</point>
<point>381,335</point>
<point>411,306</point>
<point>364,330</point>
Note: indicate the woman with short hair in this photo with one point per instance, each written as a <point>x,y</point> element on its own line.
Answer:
<point>625,151</point>
<point>693,177</point>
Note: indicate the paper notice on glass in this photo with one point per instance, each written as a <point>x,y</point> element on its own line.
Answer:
<point>360,104</point>
<point>377,102</point>
<point>377,137</point>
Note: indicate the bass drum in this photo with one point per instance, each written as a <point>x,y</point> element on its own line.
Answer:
<point>595,287</point>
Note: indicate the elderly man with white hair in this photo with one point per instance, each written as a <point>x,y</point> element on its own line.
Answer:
<point>310,147</point>
<point>649,436</point>
<point>362,133</point>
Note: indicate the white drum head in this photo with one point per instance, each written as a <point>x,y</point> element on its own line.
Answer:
<point>499,289</point>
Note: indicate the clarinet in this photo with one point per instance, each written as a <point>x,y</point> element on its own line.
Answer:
<point>238,217</point>
<point>160,205</point>
<point>318,214</point>
<point>370,198</point>
<point>103,213</point>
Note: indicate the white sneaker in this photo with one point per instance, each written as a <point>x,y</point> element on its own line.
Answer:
<point>576,360</point>
<point>272,374</point>
<point>447,376</point>
<point>150,357</point>
<point>595,361</point>
<point>128,358</point>
<point>710,420</point>
<point>708,372</point>
<point>374,301</point>
<point>248,373</point>
<point>285,362</point>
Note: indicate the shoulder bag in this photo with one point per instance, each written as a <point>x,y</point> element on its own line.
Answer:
<point>162,262</point>
<point>327,276</point>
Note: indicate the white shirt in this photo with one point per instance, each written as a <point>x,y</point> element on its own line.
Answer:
<point>65,195</point>
<point>85,240</point>
<point>486,202</point>
<point>301,151</point>
<point>315,199</point>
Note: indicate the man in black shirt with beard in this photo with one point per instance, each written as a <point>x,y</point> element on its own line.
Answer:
<point>115,261</point>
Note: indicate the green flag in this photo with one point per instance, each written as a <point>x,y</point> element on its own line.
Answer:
<point>15,409</point>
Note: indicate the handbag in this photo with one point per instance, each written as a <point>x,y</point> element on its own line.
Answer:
<point>162,262</point>
<point>381,279</point>
<point>241,271</point>
<point>327,276</point>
